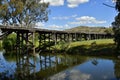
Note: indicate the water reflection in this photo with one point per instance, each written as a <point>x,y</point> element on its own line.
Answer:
<point>94,62</point>
<point>6,68</point>
<point>38,67</point>
<point>71,75</point>
<point>24,68</point>
<point>58,67</point>
<point>117,68</point>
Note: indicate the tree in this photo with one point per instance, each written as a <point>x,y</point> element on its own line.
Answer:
<point>23,12</point>
<point>9,42</point>
<point>108,30</point>
<point>116,25</point>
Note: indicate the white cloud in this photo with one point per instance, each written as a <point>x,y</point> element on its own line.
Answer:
<point>77,75</point>
<point>75,15</point>
<point>71,75</point>
<point>87,20</point>
<point>64,17</point>
<point>54,2</point>
<point>114,1</point>
<point>60,18</point>
<point>75,3</point>
<point>72,5</point>
<point>39,25</point>
<point>55,26</point>
<point>58,27</point>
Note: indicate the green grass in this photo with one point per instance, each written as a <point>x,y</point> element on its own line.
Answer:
<point>90,47</point>
<point>89,42</point>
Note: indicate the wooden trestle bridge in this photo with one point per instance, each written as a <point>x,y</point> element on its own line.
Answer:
<point>26,37</point>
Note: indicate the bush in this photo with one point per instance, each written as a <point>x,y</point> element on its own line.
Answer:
<point>9,42</point>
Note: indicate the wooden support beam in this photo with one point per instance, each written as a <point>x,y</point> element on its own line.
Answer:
<point>26,36</point>
<point>22,43</point>
<point>40,42</point>
<point>75,36</point>
<point>49,40</point>
<point>18,46</point>
<point>55,38</point>
<point>44,35</point>
<point>68,37</point>
<point>60,35</point>
<point>80,37</point>
<point>72,37</point>
<point>89,36</point>
<point>33,41</point>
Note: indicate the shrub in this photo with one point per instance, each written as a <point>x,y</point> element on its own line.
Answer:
<point>9,42</point>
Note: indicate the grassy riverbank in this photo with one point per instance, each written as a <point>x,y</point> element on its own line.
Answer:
<point>91,47</point>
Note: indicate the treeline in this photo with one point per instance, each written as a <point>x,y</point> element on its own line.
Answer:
<point>91,29</point>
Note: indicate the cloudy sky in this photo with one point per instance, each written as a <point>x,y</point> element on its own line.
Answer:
<point>66,14</point>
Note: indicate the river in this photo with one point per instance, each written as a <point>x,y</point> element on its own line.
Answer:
<point>59,67</point>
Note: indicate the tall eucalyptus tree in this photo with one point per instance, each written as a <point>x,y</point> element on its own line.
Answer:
<point>23,12</point>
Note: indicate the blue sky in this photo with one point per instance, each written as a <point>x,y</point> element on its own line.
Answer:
<point>66,14</point>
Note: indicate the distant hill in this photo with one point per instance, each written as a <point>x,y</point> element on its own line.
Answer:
<point>90,29</point>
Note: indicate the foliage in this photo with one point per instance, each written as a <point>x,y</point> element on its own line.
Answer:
<point>108,30</point>
<point>116,25</point>
<point>23,12</point>
<point>9,42</point>
<point>61,46</point>
<point>117,5</point>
